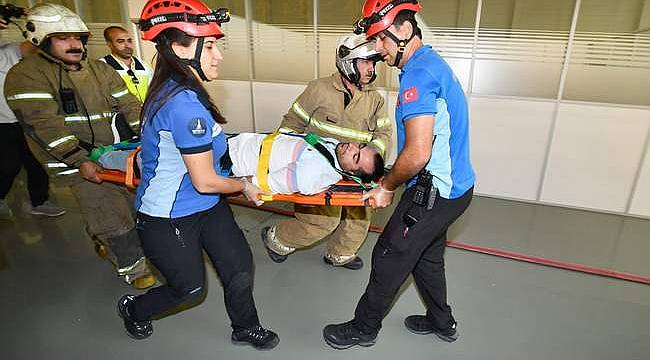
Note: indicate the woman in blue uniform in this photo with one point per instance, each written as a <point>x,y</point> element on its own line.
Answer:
<point>181,209</point>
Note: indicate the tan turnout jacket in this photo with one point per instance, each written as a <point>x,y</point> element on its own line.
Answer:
<point>320,110</point>
<point>32,92</point>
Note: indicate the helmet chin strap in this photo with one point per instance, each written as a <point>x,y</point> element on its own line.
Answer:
<point>196,61</point>
<point>401,45</point>
<point>356,77</point>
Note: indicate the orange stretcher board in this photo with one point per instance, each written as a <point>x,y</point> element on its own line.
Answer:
<point>343,193</point>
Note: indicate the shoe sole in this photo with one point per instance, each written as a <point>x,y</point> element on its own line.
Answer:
<point>427,332</point>
<point>343,347</point>
<point>275,257</point>
<point>268,346</point>
<point>329,262</point>
<point>446,338</point>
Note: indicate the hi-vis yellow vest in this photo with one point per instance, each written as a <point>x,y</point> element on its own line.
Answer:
<point>136,79</point>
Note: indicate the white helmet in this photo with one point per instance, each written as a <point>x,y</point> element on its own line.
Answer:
<point>45,20</point>
<point>350,47</point>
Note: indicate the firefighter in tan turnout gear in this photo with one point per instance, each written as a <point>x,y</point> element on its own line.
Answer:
<point>68,106</point>
<point>339,106</point>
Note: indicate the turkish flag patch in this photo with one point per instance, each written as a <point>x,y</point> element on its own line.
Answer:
<point>409,95</point>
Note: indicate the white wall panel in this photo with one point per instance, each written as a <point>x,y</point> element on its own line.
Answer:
<point>621,85</point>
<point>461,68</point>
<point>508,143</point>
<point>497,77</point>
<point>595,155</point>
<point>283,54</point>
<point>234,100</point>
<point>641,200</point>
<point>272,100</point>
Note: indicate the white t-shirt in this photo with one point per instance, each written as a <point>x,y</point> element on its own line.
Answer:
<point>9,56</point>
<point>294,166</point>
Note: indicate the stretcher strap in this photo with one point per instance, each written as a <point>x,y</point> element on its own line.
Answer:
<point>130,179</point>
<point>263,162</point>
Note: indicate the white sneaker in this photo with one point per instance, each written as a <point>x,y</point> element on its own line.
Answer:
<point>48,209</point>
<point>5,211</point>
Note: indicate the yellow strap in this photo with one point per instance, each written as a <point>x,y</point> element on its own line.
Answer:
<point>263,162</point>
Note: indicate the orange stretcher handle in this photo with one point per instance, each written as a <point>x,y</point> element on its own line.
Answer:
<point>118,177</point>
<point>131,181</point>
<point>115,176</point>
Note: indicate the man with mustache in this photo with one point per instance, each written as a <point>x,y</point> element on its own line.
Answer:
<point>13,146</point>
<point>135,72</point>
<point>69,105</point>
<point>343,107</point>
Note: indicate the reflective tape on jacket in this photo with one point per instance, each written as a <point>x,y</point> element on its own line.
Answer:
<point>31,96</point>
<point>93,117</point>
<point>61,141</point>
<point>51,165</point>
<point>287,130</point>
<point>353,134</point>
<point>68,172</point>
<point>120,93</point>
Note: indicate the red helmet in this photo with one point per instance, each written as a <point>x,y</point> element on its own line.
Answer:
<point>378,15</point>
<point>193,17</point>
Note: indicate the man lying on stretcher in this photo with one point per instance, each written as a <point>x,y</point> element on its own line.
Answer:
<point>303,164</point>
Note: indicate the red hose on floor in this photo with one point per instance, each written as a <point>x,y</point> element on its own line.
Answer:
<point>489,251</point>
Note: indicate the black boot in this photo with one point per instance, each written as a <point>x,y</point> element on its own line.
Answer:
<point>345,335</point>
<point>421,325</point>
<point>257,336</point>
<point>136,329</point>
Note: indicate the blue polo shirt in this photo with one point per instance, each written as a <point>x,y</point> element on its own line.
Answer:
<point>428,86</point>
<point>181,126</point>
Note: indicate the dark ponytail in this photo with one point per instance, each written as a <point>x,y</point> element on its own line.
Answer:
<point>168,66</point>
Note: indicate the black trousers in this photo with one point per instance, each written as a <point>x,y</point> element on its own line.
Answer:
<point>16,154</point>
<point>175,247</point>
<point>417,250</point>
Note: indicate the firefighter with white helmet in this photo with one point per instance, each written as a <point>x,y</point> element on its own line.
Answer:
<point>350,48</point>
<point>68,106</point>
<point>45,20</point>
<point>344,107</point>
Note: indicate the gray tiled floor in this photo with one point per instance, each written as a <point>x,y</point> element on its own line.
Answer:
<point>57,298</point>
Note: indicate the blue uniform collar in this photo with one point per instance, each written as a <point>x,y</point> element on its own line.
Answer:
<point>417,54</point>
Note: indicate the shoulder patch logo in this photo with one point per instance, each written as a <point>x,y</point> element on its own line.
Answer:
<point>409,95</point>
<point>197,127</point>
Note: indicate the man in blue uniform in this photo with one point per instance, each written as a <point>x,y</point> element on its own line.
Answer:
<point>433,162</point>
